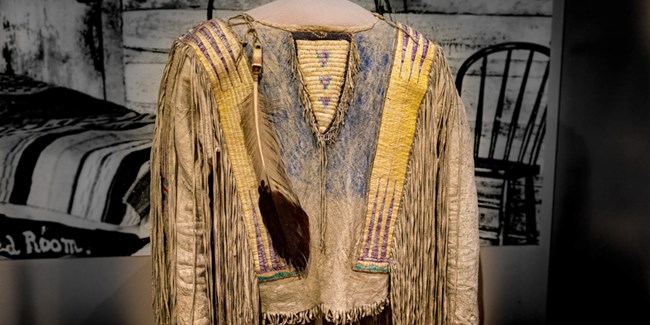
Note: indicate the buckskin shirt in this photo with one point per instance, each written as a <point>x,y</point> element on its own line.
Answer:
<point>374,140</point>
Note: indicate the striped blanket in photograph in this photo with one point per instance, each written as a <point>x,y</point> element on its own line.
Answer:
<point>73,155</point>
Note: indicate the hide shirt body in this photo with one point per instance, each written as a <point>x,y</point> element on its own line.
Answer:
<point>385,174</point>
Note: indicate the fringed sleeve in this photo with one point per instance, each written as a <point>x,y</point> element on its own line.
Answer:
<point>202,273</point>
<point>462,206</point>
<point>434,271</point>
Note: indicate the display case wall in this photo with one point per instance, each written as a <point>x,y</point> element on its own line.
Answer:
<point>599,261</point>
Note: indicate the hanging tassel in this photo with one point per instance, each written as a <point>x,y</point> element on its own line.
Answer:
<point>284,218</point>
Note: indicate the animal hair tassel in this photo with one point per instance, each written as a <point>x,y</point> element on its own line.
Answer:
<point>284,218</point>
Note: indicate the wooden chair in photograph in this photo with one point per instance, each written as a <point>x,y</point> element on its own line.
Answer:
<point>508,134</point>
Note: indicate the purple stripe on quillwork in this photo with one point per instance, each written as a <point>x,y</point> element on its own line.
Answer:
<point>389,217</point>
<point>275,261</point>
<point>375,245</point>
<point>264,267</point>
<point>201,46</point>
<point>416,35</point>
<point>405,41</point>
<point>185,37</point>
<point>425,49</point>
<point>280,264</point>
<point>222,36</point>
<point>366,246</point>
<point>215,46</point>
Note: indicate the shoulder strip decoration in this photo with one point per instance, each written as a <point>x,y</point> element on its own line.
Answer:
<point>408,84</point>
<point>218,49</point>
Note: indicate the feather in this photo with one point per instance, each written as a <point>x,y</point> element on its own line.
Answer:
<point>284,218</point>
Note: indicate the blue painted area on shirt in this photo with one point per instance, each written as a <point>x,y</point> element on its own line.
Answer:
<point>350,157</point>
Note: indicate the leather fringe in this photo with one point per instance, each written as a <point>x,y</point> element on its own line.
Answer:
<point>418,295</point>
<point>368,314</point>
<point>357,314</point>
<point>225,283</point>
<point>303,317</point>
<point>162,234</point>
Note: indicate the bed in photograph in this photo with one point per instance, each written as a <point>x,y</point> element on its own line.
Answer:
<point>73,174</point>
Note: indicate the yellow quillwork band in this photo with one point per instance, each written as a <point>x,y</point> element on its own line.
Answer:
<point>218,48</point>
<point>408,84</point>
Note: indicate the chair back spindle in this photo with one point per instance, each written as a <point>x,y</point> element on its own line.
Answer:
<point>510,124</point>
<point>507,155</point>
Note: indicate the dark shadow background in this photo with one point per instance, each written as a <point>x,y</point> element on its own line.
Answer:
<point>599,266</point>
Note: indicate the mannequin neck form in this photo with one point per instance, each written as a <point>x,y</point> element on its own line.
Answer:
<point>330,14</point>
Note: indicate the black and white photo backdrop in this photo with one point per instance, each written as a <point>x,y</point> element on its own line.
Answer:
<point>78,91</point>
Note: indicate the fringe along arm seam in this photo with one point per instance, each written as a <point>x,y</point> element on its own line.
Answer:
<point>433,277</point>
<point>212,280</point>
